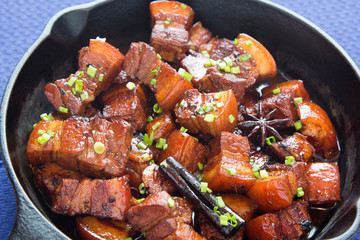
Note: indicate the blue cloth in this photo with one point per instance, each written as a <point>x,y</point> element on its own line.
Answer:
<point>23,20</point>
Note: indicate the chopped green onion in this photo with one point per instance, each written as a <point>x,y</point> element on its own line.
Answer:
<point>91,71</point>
<point>270,141</point>
<point>248,43</point>
<point>71,81</point>
<point>201,176</point>
<point>182,129</point>
<point>78,85</point>
<point>216,210</point>
<point>289,160</point>
<point>245,57</point>
<point>200,166</point>
<point>231,118</point>
<point>43,139</point>
<point>222,65</point>
<point>153,81</point>
<point>276,91</point>
<point>34,125</point>
<point>141,145</point>
<point>217,95</point>
<point>155,72</point>
<point>200,110</point>
<point>83,96</point>
<point>235,70</point>
<point>158,55</point>
<point>209,118</point>
<point>297,100</point>
<point>300,192</point>
<point>149,140</point>
<point>185,74</point>
<point>73,91</point>
<point>263,173</point>
<point>63,110</point>
<point>81,74</point>
<point>227,69</point>
<point>51,133</point>
<point>142,188</point>
<point>41,132</point>
<point>298,125</point>
<point>251,162</point>
<point>45,117</point>
<point>183,6</point>
<point>145,156</point>
<point>203,187</point>
<point>213,62</point>
<point>231,171</point>
<point>255,169</point>
<point>99,148</point>
<point>223,220</point>
<point>129,238</point>
<point>149,119</point>
<point>191,14</point>
<point>207,64</point>
<point>101,77</point>
<point>151,161</point>
<point>236,40</point>
<point>182,103</point>
<point>156,125</point>
<point>130,85</point>
<point>164,163</point>
<point>228,61</point>
<point>220,202</point>
<point>157,108</point>
<point>233,221</point>
<point>167,21</point>
<point>208,190</point>
<point>195,138</point>
<point>171,202</point>
<point>161,143</point>
<point>208,107</point>
<point>140,200</point>
<point>205,54</point>
<point>256,174</point>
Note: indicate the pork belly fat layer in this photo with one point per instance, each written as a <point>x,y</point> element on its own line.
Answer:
<point>100,198</point>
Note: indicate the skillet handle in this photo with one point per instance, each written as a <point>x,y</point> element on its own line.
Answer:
<point>30,223</point>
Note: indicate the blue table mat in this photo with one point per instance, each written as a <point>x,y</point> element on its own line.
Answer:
<point>22,21</point>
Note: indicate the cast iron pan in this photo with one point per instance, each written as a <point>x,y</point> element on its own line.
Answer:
<point>301,50</point>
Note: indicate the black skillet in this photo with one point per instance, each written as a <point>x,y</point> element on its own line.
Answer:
<point>301,50</point>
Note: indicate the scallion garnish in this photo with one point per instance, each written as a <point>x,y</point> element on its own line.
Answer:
<point>41,132</point>
<point>158,55</point>
<point>216,210</point>
<point>81,74</point>
<point>161,143</point>
<point>43,139</point>
<point>205,54</point>
<point>183,6</point>
<point>209,118</point>
<point>231,171</point>
<point>245,57</point>
<point>207,64</point>
<point>203,187</point>
<point>139,201</point>
<point>141,145</point>
<point>145,156</point>
<point>164,163</point>
<point>220,202</point>
<point>99,148</point>
<point>171,202</point>
<point>101,77</point>
<point>51,133</point>
<point>270,140</point>
<point>298,125</point>
<point>223,220</point>
<point>155,126</point>
<point>91,71</point>
<point>228,61</point>
<point>63,109</point>
<point>167,21</point>
<point>182,129</point>
<point>289,160</point>
<point>153,81</point>
<point>276,91</point>
<point>236,40</point>
<point>185,74</point>
<point>231,118</point>
<point>149,119</point>
<point>130,85</point>
<point>83,96</point>
<point>235,70</point>
<point>263,173</point>
<point>149,140</point>
<point>248,43</point>
<point>157,108</point>
<point>200,166</point>
<point>297,100</point>
<point>151,161</point>
<point>300,192</point>
<point>182,103</point>
<point>201,176</point>
<point>71,81</point>
<point>78,85</point>
<point>217,95</point>
<point>142,188</point>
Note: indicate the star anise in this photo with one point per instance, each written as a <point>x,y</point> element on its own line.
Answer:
<point>263,125</point>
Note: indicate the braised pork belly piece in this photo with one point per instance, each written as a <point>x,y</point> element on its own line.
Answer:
<point>295,145</point>
<point>171,22</point>
<point>155,182</point>
<point>161,126</point>
<point>207,113</point>
<point>317,126</point>
<point>93,228</point>
<point>228,167</point>
<point>142,62</point>
<point>96,148</point>
<point>99,198</point>
<point>127,101</point>
<point>324,184</point>
<point>185,149</point>
<point>293,222</point>
<point>48,177</point>
<point>198,35</point>
<point>99,64</point>
<point>160,214</point>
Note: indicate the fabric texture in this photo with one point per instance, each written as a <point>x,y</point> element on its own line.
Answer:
<point>22,21</point>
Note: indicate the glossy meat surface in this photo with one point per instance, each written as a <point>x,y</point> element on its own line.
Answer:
<point>100,198</point>
<point>102,56</point>
<point>72,146</point>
